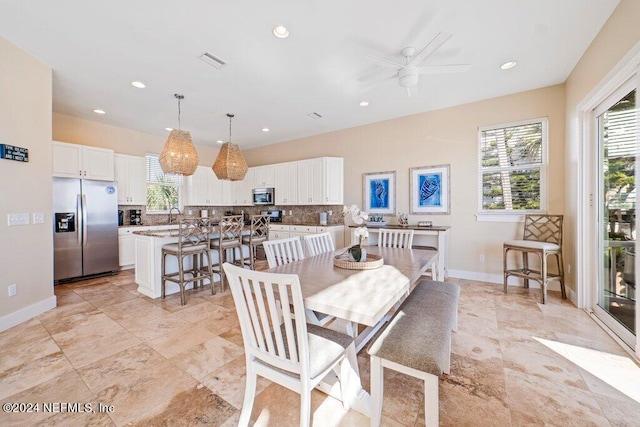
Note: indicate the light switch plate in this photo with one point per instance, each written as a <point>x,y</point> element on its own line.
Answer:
<point>17,219</point>
<point>38,218</point>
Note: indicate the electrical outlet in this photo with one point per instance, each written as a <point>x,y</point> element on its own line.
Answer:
<point>481,258</point>
<point>569,269</point>
<point>329,213</point>
<point>290,212</point>
<point>17,219</point>
<point>13,289</point>
<point>38,218</point>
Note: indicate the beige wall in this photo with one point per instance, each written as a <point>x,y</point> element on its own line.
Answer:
<point>25,121</point>
<point>616,38</point>
<point>448,136</point>
<point>121,140</point>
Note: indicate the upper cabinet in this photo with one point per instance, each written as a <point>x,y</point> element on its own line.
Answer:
<point>264,176</point>
<point>80,161</point>
<point>203,188</point>
<point>130,173</point>
<point>321,181</point>
<point>286,183</point>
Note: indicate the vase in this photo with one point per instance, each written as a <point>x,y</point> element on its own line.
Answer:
<point>358,253</point>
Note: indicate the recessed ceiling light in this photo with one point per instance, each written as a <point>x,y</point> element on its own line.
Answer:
<point>168,129</point>
<point>364,103</point>
<point>280,32</point>
<point>99,111</point>
<point>508,65</point>
<point>139,85</point>
<point>220,141</point>
<point>265,129</point>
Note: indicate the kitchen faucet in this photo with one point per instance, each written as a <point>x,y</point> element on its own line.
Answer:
<point>170,211</point>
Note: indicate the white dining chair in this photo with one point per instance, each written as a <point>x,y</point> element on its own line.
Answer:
<point>319,243</point>
<point>395,238</point>
<point>280,346</point>
<point>284,251</point>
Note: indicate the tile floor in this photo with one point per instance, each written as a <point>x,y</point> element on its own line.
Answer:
<point>514,362</point>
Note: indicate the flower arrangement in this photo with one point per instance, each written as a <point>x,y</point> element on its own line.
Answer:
<point>357,216</point>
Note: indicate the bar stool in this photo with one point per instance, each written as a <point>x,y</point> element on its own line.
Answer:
<point>258,235</point>
<point>229,239</point>
<point>193,240</point>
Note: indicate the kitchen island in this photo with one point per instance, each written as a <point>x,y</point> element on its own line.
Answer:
<point>148,261</point>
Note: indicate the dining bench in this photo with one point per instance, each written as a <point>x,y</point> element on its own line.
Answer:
<point>417,342</point>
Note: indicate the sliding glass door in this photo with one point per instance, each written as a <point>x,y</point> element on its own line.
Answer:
<point>617,165</point>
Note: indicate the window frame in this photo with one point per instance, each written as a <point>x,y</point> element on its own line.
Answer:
<point>511,215</point>
<point>178,185</point>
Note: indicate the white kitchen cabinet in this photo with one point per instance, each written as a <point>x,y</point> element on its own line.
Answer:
<point>238,193</point>
<point>80,161</point>
<point>337,234</point>
<point>130,173</point>
<point>277,231</point>
<point>321,181</point>
<point>203,188</point>
<point>264,176</point>
<point>286,183</point>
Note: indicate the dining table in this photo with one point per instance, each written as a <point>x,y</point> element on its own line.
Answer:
<point>361,301</point>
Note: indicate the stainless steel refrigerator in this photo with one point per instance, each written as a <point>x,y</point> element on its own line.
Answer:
<point>85,228</point>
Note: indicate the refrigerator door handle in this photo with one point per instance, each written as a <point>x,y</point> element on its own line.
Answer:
<point>84,220</point>
<point>77,220</point>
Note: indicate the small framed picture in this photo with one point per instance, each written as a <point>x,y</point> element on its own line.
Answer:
<point>379,193</point>
<point>429,190</point>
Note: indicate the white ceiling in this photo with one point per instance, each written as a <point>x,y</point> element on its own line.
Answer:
<point>96,49</point>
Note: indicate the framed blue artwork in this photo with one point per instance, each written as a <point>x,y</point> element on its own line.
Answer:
<point>429,190</point>
<point>379,192</point>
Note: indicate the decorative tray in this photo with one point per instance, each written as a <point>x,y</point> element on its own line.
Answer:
<point>376,223</point>
<point>344,261</point>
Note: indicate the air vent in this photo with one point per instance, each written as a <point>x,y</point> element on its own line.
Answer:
<point>213,60</point>
<point>315,115</point>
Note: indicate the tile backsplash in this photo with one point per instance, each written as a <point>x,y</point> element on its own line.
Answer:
<point>300,214</point>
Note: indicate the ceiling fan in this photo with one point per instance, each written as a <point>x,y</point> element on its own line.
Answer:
<point>408,73</point>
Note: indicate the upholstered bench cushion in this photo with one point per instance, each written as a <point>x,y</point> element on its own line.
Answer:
<point>446,287</point>
<point>418,335</point>
<point>173,247</point>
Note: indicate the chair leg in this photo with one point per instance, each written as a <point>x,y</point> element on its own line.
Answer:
<point>525,267</point>
<point>210,272</point>
<point>305,408</point>
<point>181,270</point>
<point>249,396</point>
<point>377,390</point>
<point>505,252</point>
<point>431,401</point>
<point>543,276</point>
<point>561,274</point>
<point>164,281</point>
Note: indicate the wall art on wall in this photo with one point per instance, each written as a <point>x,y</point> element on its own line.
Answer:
<point>379,192</point>
<point>429,190</point>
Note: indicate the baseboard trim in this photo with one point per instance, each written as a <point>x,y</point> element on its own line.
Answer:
<point>24,314</point>
<point>513,281</point>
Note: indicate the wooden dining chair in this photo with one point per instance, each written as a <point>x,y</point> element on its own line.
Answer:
<point>543,237</point>
<point>284,251</point>
<point>319,243</point>
<point>389,238</point>
<point>278,343</point>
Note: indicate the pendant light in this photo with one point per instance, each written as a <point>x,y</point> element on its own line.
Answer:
<point>179,156</point>
<point>230,164</point>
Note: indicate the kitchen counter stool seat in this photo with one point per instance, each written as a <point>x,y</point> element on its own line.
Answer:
<point>193,241</point>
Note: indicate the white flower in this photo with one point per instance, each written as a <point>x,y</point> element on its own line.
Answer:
<point>357,216</point>
<point>361,232</point>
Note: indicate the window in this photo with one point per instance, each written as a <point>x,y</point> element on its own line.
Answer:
<point>513,167</point>
<point>163,190</point>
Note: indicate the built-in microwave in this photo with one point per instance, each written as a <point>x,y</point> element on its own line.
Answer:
<point>263,196</point>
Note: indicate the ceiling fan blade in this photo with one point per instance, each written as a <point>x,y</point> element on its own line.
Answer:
<point>431,47</point>
<point>439,69</point>
<point>385,62</point>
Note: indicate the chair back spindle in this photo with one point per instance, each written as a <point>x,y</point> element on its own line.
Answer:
<point>319,244</point>
<point>283,251</point>
<point>395,238</point>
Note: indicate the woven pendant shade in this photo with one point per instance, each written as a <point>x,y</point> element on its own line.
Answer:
<point>230,164</point>
<point>179,155</point>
